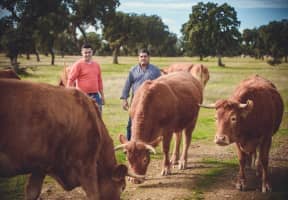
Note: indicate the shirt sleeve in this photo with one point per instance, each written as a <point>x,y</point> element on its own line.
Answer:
<point>72,76</point>
<point>127,86</point>
<point>100,82</point>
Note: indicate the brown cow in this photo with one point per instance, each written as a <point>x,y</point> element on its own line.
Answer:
<point>64,76</point>
<point>160,107</point>
<point>58,132</point>
<point>9,73</point>
<point>249,118</point>
<point>201,73</point>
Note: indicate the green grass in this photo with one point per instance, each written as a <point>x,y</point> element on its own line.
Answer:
<point>12,188</point>
<point>221,84</point>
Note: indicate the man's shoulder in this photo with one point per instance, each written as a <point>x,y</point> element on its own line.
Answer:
<point>133,68</point>
<point>154,67</point>
<point>95,63</point>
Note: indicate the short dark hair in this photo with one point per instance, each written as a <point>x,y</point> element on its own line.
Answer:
<point>143,51</point>
<point>86,46</point>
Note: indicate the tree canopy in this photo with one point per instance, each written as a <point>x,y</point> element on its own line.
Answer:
<point>44,22</point>
<point>212,30</point>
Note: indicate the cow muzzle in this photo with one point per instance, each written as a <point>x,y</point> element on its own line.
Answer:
<point>136,180</point>
<point>221,140</point>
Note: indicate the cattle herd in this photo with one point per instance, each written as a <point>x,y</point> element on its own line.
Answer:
<point>58,131</point>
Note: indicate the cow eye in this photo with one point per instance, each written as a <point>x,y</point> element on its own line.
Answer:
<point>145,160</point>
<point>233,119</point>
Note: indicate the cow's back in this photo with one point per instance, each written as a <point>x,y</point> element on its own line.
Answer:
<point>169,102</point>
<point>42,126</point>
<point>9,73</point>
<point>199,71</point>
<point>268,104</point>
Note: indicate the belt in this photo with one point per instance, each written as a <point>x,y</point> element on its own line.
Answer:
<point>93,93</point>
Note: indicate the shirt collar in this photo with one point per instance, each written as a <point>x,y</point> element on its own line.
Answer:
<point>139,66</point>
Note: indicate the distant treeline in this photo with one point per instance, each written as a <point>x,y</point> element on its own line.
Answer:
<point>61,27</point>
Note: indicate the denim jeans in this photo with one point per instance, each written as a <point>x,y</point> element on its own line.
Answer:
<point>97,97</point>
<point>128,129</point>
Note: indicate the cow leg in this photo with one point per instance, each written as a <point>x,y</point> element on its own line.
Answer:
<point>175,156</point>
<point>264,159</point>
<point>34,185</point>
<point>251,159</point>
<point>166,145</point>
<point>187,140</point>
<point>241,179</point>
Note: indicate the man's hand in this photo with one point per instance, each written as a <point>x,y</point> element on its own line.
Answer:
<point>125,104</point>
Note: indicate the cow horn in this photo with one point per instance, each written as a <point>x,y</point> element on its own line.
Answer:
<point>133,175</point>
<point>150,148</point>
<point>244,105</point>
<point>121,146</point>
<point>207,106</point>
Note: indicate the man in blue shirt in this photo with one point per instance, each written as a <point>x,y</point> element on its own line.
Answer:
<point>137,75</point>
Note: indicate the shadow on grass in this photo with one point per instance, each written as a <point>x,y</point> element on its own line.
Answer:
<point>12,188</point>
<point>212,176</point>
<point>223,176</point>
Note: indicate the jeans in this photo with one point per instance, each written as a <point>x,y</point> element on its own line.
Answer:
<point>128,129</point>
<point>97,97</point>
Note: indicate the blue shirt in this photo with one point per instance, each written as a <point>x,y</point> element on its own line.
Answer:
<point>137,76</point>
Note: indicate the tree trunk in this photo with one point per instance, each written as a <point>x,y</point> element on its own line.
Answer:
<point>83,33</point>
<point>52,57</point>
<point>115,55</point>
<point>201,58</point>
<point>220,64</point>
<point>74,36</point>
<point>37,56</point>
<point>14,63</point>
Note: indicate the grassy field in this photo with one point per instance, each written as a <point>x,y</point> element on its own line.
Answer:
<point>221,84</point>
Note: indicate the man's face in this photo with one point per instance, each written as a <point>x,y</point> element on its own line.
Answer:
<point>143,59</point>
<point>87,54</point>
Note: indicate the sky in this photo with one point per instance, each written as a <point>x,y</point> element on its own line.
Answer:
<point>174,13</point>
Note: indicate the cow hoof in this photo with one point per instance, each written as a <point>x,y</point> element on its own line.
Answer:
<point>241,185</point>
<point>266,188</point>
<point>174,162</point>
<point>166,171</point>
<point>182,165</point>
<point>134,180</point>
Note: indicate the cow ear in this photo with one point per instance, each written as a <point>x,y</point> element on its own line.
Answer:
<point>247,109</point>
<point>156,142</point>
<point>164,71</point>
<point>122,139</point>
<point>119,172</point>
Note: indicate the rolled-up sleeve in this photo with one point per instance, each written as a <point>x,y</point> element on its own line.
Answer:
<point>127,86</point>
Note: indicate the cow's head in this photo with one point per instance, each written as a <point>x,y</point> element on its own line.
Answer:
<point>229,117</point>
<point>113,183</point>
<point>138,154</point>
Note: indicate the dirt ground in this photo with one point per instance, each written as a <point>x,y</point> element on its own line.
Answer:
<point>202,180</point>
